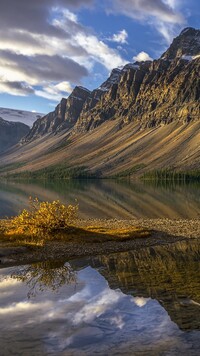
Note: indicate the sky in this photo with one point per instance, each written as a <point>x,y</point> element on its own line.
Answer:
<point>47,47</point>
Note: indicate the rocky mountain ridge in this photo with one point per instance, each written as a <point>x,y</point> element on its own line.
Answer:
<point>187,44</point>
<point>144,117</point>
<point>151,93</point>
<point>11,133</point>
<point>63,117</point>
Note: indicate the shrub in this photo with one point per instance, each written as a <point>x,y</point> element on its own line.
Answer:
<point>43,218</point>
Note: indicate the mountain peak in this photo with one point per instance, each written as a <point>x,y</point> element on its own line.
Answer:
<point>113,79</point>
<point>186,44</point>
<point>188,31</point>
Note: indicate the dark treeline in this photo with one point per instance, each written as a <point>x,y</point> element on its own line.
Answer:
<point>57,172</point>
<point>170,175</point>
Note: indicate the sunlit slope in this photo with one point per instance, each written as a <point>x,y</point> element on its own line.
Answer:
<point>112,150</point>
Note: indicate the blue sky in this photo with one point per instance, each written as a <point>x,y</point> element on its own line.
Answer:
<point>47,47</point>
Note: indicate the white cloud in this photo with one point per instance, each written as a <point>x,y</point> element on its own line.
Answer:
<point>168,31</point>
<point>140,301</point>
<point>148,8</point>
<point>48,58</point>
<point>117,321</point>
<point>22,307</point>
<point>120,37</point>
<point>142,57</point>
<point>63,87</point>
<point>55,92</point>
<point>162,14</point>
<point>99,51</point>
<point>97,306</point>
<point>170,3</point>
<point>7,283</point>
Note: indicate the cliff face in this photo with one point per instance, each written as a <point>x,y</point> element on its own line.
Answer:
<point>186,44</point>
<point>150,93</point>
<point>63,117</point>
<point>11,133</point>
<point>153,93</point>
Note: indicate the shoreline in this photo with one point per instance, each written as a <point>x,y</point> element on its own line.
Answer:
<point>162,232</point>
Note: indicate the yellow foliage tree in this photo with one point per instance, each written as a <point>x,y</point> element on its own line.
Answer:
<point>44,218</point>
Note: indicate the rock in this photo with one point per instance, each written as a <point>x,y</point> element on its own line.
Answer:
<point>186,44</point>
<point>63,117</point>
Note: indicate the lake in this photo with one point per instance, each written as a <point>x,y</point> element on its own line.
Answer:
<point>107,198</point>
<point>143,302</point>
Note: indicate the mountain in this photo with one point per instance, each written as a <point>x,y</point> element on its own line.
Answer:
<point>11,133</point>
<point>14,115</point>
<point>154,93</point>
<point>145,116</point>
<point>63,117</point>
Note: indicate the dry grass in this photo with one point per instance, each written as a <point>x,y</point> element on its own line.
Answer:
<point>57,222</point>
<point>113,234</point>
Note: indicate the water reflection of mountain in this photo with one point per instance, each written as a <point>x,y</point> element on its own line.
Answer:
<point>170,275</point>
<point>107,198</point>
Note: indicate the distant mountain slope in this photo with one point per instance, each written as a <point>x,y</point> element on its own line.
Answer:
<point>11,133</point>
<point>145,116</point>
<point>25,117</point>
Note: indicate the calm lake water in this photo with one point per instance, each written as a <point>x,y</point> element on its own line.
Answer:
<point>107,198</point>
<point>143,302</point>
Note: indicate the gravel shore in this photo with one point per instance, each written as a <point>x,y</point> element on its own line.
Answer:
<point>189,228</point>
<point>163,231</point>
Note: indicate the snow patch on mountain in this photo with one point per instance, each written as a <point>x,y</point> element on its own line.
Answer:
<point>26,117</point>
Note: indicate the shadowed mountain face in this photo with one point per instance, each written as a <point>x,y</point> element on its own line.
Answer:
<point>11,133</point>
<point>138,107</point>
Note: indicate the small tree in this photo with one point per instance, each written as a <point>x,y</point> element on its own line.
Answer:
<point>44,218</point>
